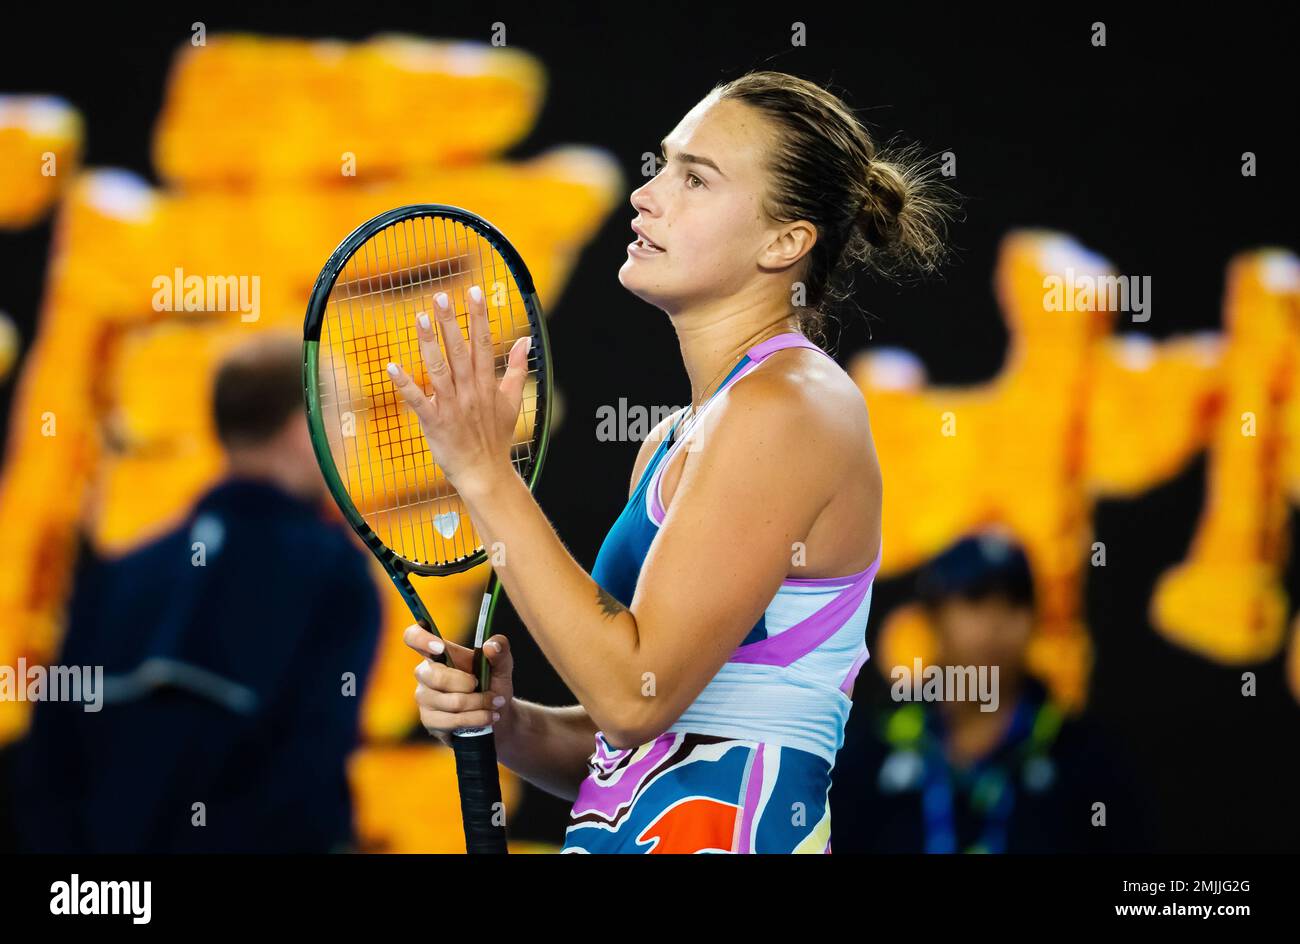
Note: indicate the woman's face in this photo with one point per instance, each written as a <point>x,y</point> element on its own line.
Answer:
<point>705,208</point>
<point>992,631</point>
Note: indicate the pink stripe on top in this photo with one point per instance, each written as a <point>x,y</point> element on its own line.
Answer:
<point>779,342</point>
<point>805,636</point>
<point>846,686</point>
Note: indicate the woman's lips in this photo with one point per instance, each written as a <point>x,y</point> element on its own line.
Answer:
<point>639,247</point>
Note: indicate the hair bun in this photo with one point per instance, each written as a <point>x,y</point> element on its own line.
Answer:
<point>880,214</point>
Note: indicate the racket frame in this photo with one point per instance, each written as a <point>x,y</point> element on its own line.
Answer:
<point>399,568</point>
<point>316,305</point>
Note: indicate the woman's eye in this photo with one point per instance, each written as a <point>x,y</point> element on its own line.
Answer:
<point>661,164</point>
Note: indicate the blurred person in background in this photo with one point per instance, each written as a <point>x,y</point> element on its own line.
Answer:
<point>948,776</point>
<point>235,650</point>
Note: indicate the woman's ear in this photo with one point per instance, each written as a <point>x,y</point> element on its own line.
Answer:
<point>791,243</point>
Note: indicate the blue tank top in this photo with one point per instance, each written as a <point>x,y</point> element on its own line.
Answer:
<point>813,630</point>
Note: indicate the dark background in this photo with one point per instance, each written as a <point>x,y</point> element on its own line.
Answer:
<point>1134,149</point>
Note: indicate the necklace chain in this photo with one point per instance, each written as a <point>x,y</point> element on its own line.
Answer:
<point>730,364</point>
<point>692,409</point>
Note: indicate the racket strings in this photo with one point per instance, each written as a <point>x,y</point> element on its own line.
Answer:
<point>376,440</point>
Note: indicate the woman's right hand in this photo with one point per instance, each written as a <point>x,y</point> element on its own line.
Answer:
<point>446,695</point>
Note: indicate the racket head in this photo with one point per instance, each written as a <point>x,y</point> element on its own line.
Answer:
<point>361,315</point>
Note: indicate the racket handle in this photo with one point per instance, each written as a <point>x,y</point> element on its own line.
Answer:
<point>481,808</point>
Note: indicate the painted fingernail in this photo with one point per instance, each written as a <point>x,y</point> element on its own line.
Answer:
<point>476,293</point>
<point>393,370</point>
<point>496,646</point>
<point>496,716</point>
<point>423,318</point>
<point>441,299</point>
<point>436,646</point>
<point>498,701</point>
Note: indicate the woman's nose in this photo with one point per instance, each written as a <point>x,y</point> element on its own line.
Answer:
<point>642,198</point>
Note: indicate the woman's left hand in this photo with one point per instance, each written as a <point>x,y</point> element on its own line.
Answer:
<point>469,422</point>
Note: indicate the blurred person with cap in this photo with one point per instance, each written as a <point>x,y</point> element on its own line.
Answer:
<point>954,776</point>
<point>235,650</point>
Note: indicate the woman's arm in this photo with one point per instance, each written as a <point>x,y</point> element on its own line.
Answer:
<point>548,746</point>
<point>765,466</point>
<point>724,548</point>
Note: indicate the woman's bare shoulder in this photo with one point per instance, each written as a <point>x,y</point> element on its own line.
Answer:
<point>809,388</point>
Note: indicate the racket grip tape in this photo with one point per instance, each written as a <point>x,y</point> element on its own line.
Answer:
<point>481,808</point>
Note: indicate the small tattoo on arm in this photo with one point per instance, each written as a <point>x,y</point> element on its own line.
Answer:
<point>608,605</point>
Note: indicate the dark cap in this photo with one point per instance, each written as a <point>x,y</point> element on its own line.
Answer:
<point>978,566</point>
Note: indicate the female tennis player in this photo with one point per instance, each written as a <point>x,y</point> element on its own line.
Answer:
<point>714,647</point>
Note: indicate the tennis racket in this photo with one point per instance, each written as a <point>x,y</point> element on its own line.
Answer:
<point>371,451</point>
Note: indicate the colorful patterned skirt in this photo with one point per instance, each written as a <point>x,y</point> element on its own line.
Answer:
<point>686,792</point>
